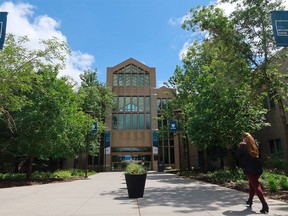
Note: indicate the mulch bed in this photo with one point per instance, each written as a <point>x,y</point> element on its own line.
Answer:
<point>19,183</point>
<point>281,195</point>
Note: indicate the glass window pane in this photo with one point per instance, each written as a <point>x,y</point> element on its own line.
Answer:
<point>128,79</point>
<point>160,153</point>
<point>127,69</point>
<point>166,156</point>
<point>164,103</point>
<point>147,104</point>
<point>115,102</point>
<point>147,79</point>
<point>134,121</point>
<point>134,104</point>
<point>121,79</point>
<point>134,69</point>
<point>165,143</point>
<point>141,122</point>
<point>134,79</point>
<point>115,79</point>
<point>121,121</point>
<point>121,104</point>
<point>159,105</point>
<point>128,122</point>
<point>114,121</point>
<point>172,142</point>
<point>141,79</point>
<point>272,147</point>
<point>169,101</point>
<point>127,104</point>
<point>141,104</point>
<point>172,155</point>
<point>148,122</point>
<point>159,124</point>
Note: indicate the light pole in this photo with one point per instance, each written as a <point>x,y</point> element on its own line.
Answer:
<point>177,113</point>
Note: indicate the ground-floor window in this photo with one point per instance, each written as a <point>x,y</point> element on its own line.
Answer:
<point>276,148</point>
<point>166,148</point>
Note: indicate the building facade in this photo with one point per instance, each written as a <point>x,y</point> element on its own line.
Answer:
<point>132,127</point>
<point>273,139</point>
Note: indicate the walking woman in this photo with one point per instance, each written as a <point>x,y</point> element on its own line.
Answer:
<point>248,157</point>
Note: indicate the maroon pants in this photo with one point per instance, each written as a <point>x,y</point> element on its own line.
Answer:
<point>255,187</point>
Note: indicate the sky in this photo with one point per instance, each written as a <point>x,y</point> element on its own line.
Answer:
<point>104,33</point>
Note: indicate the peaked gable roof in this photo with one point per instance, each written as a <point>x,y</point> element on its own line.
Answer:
<point>131,61</point>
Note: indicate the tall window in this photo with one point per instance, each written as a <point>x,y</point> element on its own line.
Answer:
<point>131,75</point>
<point>166,146</point>
<point>132,113</point>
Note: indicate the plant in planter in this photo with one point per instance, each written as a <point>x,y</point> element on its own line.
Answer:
<point>135,176</point>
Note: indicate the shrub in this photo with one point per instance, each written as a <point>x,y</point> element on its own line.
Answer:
<point>135,168</point>
<point>41,175</point>
<point>62,174</point>
<point>284,182</point>
<point>12,176</point>
<point>273,184</point>
<point>227,175</point>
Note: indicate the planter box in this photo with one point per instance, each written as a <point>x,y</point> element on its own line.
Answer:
<point>135,184</point>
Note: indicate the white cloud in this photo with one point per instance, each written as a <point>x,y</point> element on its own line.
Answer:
<point>175,21</point>
<point>21,21</point>
<point>160,83</point>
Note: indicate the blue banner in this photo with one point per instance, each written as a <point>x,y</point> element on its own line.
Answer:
<point>94,128</point>
<point>3,21</point>
<point>155,138</point>
<point>280,27</point>
<point>107,139</point>
<point>173,126</point>
<point>107,142</point>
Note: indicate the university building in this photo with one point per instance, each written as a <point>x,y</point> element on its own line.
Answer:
<point>133,131</point>
<point>132,127</point>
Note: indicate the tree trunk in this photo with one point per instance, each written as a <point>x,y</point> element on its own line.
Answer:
<point>29,168</point>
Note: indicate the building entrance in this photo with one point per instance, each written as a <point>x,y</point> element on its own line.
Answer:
<point>122,156</point>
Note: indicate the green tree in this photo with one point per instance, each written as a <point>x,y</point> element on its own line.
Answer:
<point>97,100</point>
<point>226,75</point>
<point>52,125</point>
<point>17,71</point>
<point>217,97</point>
<point>253,20</point>
<point>249,30</point>
<point>46,110</point>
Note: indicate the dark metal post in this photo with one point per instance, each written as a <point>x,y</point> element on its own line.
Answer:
<point>178,112</point>
<point>86,154</point>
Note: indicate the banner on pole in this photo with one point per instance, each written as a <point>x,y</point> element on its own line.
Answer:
<point>155,142</point>
<point>280,27</point>
<point>173,126</point>
<point>3,21</point>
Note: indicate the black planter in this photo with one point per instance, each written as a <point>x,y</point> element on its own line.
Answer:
<point>135,184</point>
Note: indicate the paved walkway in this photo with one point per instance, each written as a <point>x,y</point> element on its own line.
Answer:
<point>106,194</point>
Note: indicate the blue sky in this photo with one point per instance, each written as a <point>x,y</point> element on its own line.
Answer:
<point>103,33</point>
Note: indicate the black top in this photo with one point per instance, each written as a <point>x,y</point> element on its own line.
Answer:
<point>249,164</point>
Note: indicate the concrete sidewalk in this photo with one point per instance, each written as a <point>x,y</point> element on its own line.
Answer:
<point>106,194</point>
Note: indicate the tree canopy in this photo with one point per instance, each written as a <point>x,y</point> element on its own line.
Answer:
<point>227,74</point>
<point>41,115</point>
